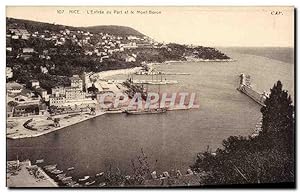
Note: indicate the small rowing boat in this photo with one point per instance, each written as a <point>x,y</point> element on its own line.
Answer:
<point>99,174</point>
<point>71,168</point>
<point>84,178</point>
<point>90,183</point>
<point>39,161</point>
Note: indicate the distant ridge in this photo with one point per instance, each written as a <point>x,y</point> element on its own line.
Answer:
<point>114,29</point>
<point>40,26</point>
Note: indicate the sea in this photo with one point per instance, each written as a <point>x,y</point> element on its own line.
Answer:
<point>173,139</point>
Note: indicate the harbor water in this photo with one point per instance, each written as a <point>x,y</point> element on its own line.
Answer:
<point>170,140</point>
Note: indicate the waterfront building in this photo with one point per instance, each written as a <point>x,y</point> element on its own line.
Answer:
<point>13,87</point>
<point>57,100</point>
<point>24,110</point>
<point>27,102</point>
<point>25,97</point>
<point>85,77</point>
<point>59,90</point>
<point>43,93</point>
<point>76,82</point>
<point>74,93</point>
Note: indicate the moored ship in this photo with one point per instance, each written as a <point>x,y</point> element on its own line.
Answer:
<point>147,111</point>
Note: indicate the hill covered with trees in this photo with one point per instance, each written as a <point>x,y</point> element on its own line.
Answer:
<point>114,29</point>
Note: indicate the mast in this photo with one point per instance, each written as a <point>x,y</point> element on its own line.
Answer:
<point>152,75</point>
<point>159,95</point>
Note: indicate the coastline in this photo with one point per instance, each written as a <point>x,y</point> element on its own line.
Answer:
<point>104,74</point>
<point>198,60</point>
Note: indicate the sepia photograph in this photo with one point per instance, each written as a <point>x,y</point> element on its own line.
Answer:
<point>150,97</point>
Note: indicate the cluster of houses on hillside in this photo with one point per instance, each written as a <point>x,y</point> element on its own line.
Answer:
<point>98,44</point>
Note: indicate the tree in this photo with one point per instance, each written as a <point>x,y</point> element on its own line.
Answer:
<point>278,119</point>
<point>56,122</point>
<point>93,89</point>
<point>13,103</point>
<point>93,111</point>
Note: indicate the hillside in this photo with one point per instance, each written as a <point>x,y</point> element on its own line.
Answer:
<point>114,30</point>
<point>41,26</point>
<point>51,53</point>
<point>33,25</point>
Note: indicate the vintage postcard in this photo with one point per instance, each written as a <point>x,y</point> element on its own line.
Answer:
<point>161,96</point>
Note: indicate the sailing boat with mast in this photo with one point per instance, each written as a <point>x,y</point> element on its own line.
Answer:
<point>149,111</point>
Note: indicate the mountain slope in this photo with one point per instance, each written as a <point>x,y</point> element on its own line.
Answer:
<point>41,26</point>
<point>114,29</point>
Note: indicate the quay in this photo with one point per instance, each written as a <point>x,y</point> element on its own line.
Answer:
<point>245,88</point>
<point>22,132</point>
<point>23,174</point>
<point>147,73</point>
<point>153,82</point>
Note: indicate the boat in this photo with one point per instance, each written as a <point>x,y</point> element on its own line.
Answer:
<point>49,168</point>
<point>61,176</point>
<point>56,172</point>
<point>102,184</point>
<point>39,161</point>
<point>71,168</point>
<point>66,182</point>
<point>84,178</point>
<point>147,111</point>
<point>99,174</point>
<point>75,185</point>
<point>67,178</point>
<point>72,183</point>
<point>90,183</point>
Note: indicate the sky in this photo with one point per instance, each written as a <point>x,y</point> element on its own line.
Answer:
<point>207,26</point>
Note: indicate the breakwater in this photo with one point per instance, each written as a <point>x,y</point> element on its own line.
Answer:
<point>245,88</point>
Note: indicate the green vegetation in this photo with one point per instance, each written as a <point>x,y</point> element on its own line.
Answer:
<point>114,30</point>
<point>267,158</point>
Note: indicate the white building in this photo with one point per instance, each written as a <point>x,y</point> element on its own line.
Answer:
<point>76,82</point>
<point>13,87</point>
<point>35,83</point>
<point>9,72</point>
<point>28,50</point>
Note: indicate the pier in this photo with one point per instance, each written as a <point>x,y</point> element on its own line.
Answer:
<point>153,82</point>
<point>23,174</point>
<point>245,87</point>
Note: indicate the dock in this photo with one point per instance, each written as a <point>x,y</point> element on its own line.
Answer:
<point>23,174</point>
<point>151,82</point>
<point>147,73</point>
<point>245,88</point>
